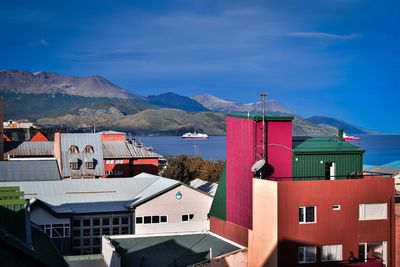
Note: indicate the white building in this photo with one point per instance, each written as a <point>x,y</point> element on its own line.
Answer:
<point>76,213</point>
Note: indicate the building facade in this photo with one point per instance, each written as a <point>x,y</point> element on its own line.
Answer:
<point>325,214</point>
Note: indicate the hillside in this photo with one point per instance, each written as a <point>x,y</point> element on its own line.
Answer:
<point>220,105</point>
<point>338,124</point>
<point>172,100</point>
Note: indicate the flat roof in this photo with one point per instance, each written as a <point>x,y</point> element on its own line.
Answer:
<point>259,117</point>
<point>94,260</point>
<point>171,250</point>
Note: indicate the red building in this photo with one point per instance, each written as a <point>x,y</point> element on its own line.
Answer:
<point>290,221</point>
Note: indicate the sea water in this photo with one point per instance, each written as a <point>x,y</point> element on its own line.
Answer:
<point>379,149</point>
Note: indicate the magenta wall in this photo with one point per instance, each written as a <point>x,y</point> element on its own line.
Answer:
<point>240,144</point>
<point>279,149</point>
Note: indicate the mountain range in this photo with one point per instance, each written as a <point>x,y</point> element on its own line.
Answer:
<point>49,99</point>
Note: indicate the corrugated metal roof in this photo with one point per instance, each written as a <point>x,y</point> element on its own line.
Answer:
<point>323,144</point>
<point>28,148</point>
<point>207,187</point>
<point>172,250</point>
<point>95,195</point>
<point>115,149</point>
<point>384,169</point>
<point>141,151</point>
<point>29,170</point>
<point>81,140</point>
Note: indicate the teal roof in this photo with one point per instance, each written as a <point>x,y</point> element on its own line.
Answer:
<point>174,250</point>
<point>259,117</point>
<point>321,145</point>
<point>218,206</point>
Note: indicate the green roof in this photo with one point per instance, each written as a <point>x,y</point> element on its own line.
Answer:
<point>174,250</point>
<point>259,117</point>
<point>323,145</point>
<point>218,206</point>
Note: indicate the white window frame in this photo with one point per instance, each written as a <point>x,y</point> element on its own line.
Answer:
<point>362,212</point>
<point>329,247</point>
<point>305,254</point>
<point>119,161</point>
<point>336,207</point>
<point>151,221</point>
<point>187,214</point>
<point>109,161</point>
<point>305,214</point>
<point>48,229</point>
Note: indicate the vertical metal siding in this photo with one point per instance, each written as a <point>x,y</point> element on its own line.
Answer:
<point>309,167</point>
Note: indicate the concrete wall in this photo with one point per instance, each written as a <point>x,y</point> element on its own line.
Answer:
<point>230,231</point>
<point>40,216</point>
<point>110,255</point>
<point>240,156</point>
<point>263,239</point>
<point>192,202</point>
<point>333,226</point>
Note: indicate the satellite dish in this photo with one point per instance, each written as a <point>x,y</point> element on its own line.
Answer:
<point>258,165</point>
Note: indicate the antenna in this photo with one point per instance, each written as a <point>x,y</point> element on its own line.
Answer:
<point>263,97</point>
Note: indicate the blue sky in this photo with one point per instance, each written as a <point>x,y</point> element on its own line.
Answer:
<point>337,58</point>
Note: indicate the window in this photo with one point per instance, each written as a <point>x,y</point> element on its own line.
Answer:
<point>375,211</point>
<point>110,161</point>
<point>119,161</point>
<point>118,172</point>
<point>307,214</point>
<point>307,254</point>
<point>139,220</point>
<point>89,164</point>
<point>56,230</point>
<point>106,221</point>
<point>163,219</point>
<point>185,218</point>
<point>115,221</point>
<point>191,217</point>
<point>147,219</point>
<point>336,207</point>
<point>155,219</point>
<point>88,149</point>
<point>124,220</point>
<point>332,253</point>
<point>373,251</point>
<point>73,150</point>
<point>74,165</point>
<point>109,172</point>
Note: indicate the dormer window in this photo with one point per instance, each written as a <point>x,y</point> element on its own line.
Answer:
<point>73,150</point>
<point>89,165</point>
<point>74,164</point>
<point>88,149</point>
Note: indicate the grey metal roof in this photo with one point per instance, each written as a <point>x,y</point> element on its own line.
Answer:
<point>28,148</point>
<point>29,170</point>
<point>96,260</point>
<point>141,151</point>
<point>95,195</point>
<point>173,250</point>
<point>115,149</point>
<point>81,140</point>
<point>207,187</point>
<point>385,170</point>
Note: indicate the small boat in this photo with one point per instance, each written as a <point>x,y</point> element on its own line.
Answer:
<point>194,135</point>
<point>350,137</point>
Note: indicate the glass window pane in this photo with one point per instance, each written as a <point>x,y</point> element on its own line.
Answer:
<point>115,231</point>
<point>155,219</point>
<point>301,254</point>
<point>301,214</point>
<point>310,254</point>
<point>185,218</point>
<point>139,220</point>
<point>106,231</point>
<point>77,242</point>
<point>147,219</point>
<point>86,232</point>
<point>77,223</point>
<point>191,217</point>
<point>86,222</point>
<point>96,231</point>
<point>116,221</point>
<point>310,214</point>
<point>163,219</point>
<point>86,241</point>
<point>77,232</point>
<point>96,222</point>
<point>124,220</point>
<point>106,221</point>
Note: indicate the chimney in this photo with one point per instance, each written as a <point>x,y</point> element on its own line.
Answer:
<point>340,135</point>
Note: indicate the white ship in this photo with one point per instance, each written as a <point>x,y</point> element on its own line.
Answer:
<point>194,135</point>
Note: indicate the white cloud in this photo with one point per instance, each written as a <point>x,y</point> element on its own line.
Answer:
<point>40,42</point>
<point>324,35</point>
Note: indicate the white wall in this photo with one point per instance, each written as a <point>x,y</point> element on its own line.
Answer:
<point>110,255</point>
<point>40,216</point>
<point>192,202</point>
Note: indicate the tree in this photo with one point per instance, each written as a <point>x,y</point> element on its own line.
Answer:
<point>185,169</point>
